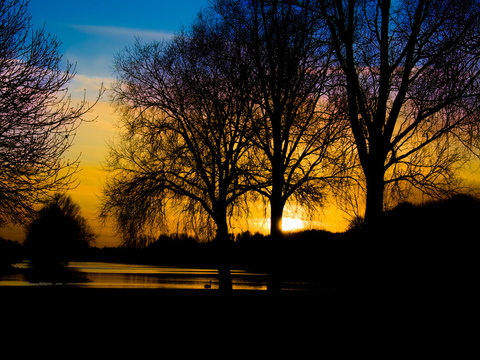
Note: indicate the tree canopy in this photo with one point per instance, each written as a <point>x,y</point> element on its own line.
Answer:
<point>409,72</point>
<point>184,111</point>
<point>58,233</point>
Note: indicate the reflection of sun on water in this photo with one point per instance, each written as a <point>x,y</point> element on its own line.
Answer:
<point>292,224</point>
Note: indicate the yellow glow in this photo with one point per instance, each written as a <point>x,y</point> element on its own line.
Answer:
<point>292,224</point>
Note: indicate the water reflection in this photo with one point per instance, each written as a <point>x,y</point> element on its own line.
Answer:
<point>115,275</point>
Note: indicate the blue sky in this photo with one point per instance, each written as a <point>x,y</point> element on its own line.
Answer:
<point>91,31</point>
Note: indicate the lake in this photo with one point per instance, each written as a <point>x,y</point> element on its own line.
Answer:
<point>123,276</point>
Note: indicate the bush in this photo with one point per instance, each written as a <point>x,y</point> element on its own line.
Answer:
<point>58,233</point>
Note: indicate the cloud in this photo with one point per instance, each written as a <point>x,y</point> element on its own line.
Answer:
<point>82,81</point>
<point>122,32</point>
<point>87,87</point>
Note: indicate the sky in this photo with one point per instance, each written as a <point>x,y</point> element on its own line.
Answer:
<point>91,33</point>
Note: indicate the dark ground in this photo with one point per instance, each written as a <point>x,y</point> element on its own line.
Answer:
<point>141,323</point>
<point>192,321</point>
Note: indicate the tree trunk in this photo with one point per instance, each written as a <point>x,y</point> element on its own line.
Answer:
<point>276,199</point>
<point>223,253</point>
<point>375,193</point>
<point>369,259</point>
<point>276,213</point>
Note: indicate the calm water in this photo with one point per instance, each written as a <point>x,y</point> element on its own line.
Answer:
<point>114,275</point>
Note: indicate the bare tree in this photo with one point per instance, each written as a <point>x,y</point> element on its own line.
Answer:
<point>410,75</point>
<point>185,114</point>
<point>297,132</point>
<point>37,118</point>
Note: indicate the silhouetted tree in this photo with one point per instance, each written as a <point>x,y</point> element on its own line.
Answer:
<point>58,233</point>
<point>185,109</point>
<point>37,118</point>
<point>298,136</point>
<point>409,71</point>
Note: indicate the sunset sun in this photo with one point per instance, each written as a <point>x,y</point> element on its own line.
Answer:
<point>292,224</point>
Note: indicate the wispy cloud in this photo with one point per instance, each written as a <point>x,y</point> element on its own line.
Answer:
<point>116,31</point>
<point>89,86</point>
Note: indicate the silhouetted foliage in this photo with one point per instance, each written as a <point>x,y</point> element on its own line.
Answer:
<point>409,73</point>
<point>37,118</point>
<point>58,234</point>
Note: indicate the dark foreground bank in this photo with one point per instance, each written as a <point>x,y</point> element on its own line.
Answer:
<point>136,310</point>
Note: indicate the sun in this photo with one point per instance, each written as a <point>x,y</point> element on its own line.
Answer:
<point>292,224</point>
